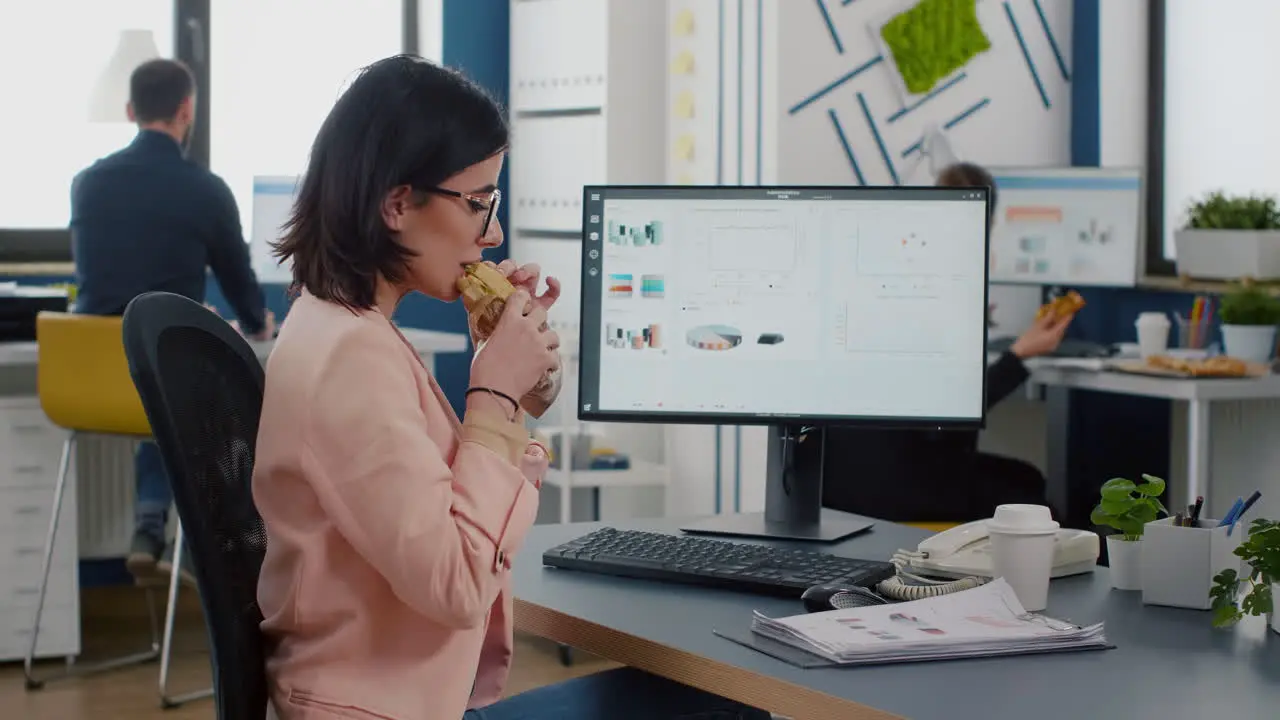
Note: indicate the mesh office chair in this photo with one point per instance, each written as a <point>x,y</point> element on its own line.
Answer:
<point>201,386</point>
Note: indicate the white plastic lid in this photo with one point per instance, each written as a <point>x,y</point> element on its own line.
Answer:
<point>1022,520</point>
<point>1152,318</point>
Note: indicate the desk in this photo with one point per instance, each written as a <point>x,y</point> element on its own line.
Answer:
<point>1198,394</point>
<point>1169,663</point>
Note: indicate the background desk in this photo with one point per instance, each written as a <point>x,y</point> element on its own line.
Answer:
<point>1169,663</point>
<point>1192,430</point>
<point>97,519</point>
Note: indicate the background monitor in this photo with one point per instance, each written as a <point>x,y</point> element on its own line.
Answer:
<point>273,197</point>
<point>1067,226</point>
<point>785,306</point>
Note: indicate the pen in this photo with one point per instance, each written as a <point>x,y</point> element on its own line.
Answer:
<point>1177,520</point>
<point>1230,516</point>
<point>1195,511</point>
<point>1244,509</point>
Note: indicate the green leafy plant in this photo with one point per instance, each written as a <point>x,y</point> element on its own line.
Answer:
<point>1249,306</point>
<point>1128,506</point>
<point>1261,552</point>
<point>932,40</point>
<point>1217,211</point>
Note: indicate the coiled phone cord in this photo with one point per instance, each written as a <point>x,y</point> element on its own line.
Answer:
<point>896,588</point>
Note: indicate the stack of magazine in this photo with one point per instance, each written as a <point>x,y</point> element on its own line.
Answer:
<point>985,621</point>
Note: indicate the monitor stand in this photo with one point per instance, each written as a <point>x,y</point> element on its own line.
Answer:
<point>793,502</point>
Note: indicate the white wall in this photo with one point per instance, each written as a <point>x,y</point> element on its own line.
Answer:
<point>1122,85</point>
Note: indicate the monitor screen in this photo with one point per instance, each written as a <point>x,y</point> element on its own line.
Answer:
<point>760,305</point>
<point>1067,226</point>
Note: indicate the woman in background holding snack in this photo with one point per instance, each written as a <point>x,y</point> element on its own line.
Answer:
<point>392,526</point>
<point>923,476</point>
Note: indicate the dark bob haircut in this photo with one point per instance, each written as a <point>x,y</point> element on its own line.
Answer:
<point>966,174</point>
<point>404,121</point>
<point>157,88</point>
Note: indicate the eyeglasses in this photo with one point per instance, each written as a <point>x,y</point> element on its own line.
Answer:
<point>477,203</point>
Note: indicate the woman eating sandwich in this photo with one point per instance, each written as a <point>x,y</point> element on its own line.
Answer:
<point>392,524</point>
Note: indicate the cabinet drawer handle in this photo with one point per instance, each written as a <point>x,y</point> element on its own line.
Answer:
<point>29,510</point>
<point>19,429</point>
<point>26,591</point>
<point>28,469</point>
<point>28,550</point>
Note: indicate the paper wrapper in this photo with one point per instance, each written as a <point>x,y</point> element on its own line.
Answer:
<point>484,313</point>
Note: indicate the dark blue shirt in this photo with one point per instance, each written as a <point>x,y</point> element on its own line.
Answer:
<point>146,219</point>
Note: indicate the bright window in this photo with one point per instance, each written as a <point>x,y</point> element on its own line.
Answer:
<point>1220,110</point>
<point>51,54</point>
<point>277,68</point>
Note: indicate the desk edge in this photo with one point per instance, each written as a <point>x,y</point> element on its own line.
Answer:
<point>761,691</point>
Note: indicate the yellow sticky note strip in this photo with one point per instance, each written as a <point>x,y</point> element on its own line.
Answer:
<point>684,23</point>
<point>684,179</point>
<point>682,64</point>
<point>684,104</point>
<point>684,147</point>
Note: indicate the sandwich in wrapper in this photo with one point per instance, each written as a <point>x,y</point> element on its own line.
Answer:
<point>485,291</point>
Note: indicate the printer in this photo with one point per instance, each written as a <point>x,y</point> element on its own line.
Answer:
<point>19,306</point>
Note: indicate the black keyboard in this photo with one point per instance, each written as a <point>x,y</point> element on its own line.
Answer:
<point>758,569</point>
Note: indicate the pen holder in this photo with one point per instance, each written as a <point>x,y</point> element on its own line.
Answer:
<point>1178,563</point>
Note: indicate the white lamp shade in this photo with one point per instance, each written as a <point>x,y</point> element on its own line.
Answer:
<point>110,94</point>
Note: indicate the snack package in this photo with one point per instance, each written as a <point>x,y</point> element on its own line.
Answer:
<point>484,295</point>
<point>1062,306</point>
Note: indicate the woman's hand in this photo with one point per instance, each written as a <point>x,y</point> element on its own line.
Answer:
<point>1043,337</point>
<point>521,350</point>
<point>526,278</point>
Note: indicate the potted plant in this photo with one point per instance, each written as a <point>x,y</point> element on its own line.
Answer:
<point>1127,507</point>
<point>1261,552</point>
<point>1230,237</point>
<point>1249,318</point>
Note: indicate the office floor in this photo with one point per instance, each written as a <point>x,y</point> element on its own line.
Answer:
<point>115,622</point>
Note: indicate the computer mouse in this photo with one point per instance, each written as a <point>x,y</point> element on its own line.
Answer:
<point>821,598</point>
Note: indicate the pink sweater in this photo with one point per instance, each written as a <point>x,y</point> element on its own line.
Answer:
<point>391,527</point>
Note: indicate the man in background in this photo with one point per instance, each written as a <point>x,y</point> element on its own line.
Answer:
<point>147,219</point>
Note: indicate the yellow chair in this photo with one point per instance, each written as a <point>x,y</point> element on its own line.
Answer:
<point>933,527</point>
<point>84,386</point>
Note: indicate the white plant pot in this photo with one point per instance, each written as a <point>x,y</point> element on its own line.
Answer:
<point>1125,559</point>
<point>1228,254</point>
<point>1251,343</point>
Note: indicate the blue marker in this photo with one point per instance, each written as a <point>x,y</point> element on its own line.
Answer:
<point>1244,509</point>
<point>1231,514</point>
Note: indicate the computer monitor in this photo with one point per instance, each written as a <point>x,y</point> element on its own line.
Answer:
<point>792,307</point>
<point>1067,226</point>
<point>273,197</point>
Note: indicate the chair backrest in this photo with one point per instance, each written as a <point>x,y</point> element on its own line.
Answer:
<point>201,385</point>
<point>82,375</point>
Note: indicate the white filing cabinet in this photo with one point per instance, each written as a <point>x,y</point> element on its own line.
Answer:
<point>30,450</point>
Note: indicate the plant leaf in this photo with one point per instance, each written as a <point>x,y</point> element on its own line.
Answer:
<point>1153,487</point>
<point>1117,489</point>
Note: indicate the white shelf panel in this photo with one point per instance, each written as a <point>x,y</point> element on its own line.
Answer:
<point>550,73</point>
<point>560,258</point>
<point>554,156</point>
